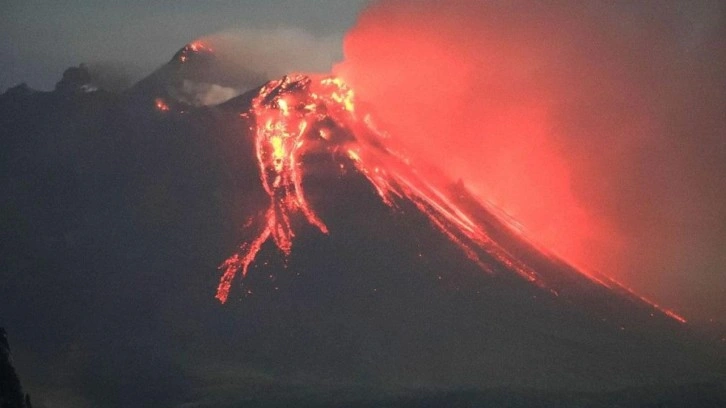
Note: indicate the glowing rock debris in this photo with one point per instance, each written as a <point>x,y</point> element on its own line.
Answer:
<point>299,114</point>
<point>161,105</point>
<point>298,111</point>
<point>193,48</point>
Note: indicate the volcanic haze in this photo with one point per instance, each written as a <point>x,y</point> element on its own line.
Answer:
<point>357,274</point>
<point>599,126</point>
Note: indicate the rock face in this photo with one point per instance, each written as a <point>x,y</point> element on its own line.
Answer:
<point>11,392</point>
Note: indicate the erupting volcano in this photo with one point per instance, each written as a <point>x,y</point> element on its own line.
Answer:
<point>363,203</point>
<point>358,271</point>
<point>300,115</point>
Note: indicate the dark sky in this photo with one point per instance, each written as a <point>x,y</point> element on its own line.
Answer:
<point>39,39</point>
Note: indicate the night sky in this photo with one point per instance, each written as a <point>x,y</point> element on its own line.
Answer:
<point>40,39</point>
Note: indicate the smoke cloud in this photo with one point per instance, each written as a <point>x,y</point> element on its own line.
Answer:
<point>601,126</point>
<point>114,76</point>
<point>271,53</point>
<point>244,59</point>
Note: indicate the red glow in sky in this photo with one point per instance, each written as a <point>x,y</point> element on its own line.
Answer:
<point>299,114</point>
<point>489,123</point>
<point>598,126</point>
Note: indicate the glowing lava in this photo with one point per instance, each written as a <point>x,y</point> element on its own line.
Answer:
<point>193,48</point>
<point>161,105</point>
<point>279,139</point>
<point>298,110</point>
<point>299,114</point>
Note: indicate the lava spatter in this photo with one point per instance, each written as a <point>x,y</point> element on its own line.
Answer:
<point>297,110</point>
<point>279,142</point>
<point>298,113</point>
<point>192,48</point>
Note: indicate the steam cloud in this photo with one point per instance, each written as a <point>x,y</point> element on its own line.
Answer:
<point>113,76</point>
<point>271,53</point>
<point>601,126</point>
<point>247,58</point>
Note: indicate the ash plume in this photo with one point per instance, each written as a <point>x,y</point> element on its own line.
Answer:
<point>599,126</point>
<point>271,53</point>
<point>228,63</point>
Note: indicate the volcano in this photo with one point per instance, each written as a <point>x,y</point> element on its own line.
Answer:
<point>353,276</point>
<point>440,277</point>
<point>296,111</point>
<point>196,75</point>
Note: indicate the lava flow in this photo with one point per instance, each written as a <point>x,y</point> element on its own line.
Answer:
<point>298,114</point>
<point>298,110</point>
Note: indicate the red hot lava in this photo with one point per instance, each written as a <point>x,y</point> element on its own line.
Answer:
<point>299,113</point>
<point>193,48</point>
<point>161,105</point>
<point>292,112</point>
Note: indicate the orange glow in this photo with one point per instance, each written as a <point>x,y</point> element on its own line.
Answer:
<point>161,105</point>
<point>198,46</point>
<point>486,113</point>
<point>194,47</point>
<point>299,113</point>
<point>280,140</point>
<point>670,313</point>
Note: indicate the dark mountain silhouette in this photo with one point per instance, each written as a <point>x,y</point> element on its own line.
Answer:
<point>196,75</point>
<point>11,392</point>
<point>114,216</point>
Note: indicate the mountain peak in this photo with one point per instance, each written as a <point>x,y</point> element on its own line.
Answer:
<point>76,79</point>
<point>194,52</point>
<point>196,75</point>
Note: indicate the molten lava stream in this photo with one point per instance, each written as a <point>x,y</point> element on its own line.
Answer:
<point>286,111</point>
<point>297,114</point>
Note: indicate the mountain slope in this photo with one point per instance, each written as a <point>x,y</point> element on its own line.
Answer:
<point>436,316</point>
<point>195,75</point>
